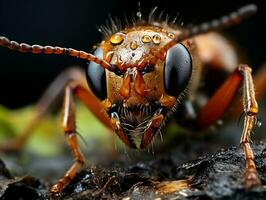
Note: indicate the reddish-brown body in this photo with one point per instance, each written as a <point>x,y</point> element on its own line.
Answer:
<point>135,71</point>
<point>131,50</point>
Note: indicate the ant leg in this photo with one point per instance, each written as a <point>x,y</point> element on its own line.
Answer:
<point>69,126</point>
<point>259,82</point>
<point>218,53</point>
<point>73,88</point>
<point>251,109</point>
<point>223,97</point>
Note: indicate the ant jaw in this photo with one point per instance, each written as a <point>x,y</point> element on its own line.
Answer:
<point>137,125</point>
<point>154,125</point>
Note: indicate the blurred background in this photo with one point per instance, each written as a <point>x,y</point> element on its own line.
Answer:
<point>23,77</point>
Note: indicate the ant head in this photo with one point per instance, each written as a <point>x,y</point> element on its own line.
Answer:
<point>140,89</point>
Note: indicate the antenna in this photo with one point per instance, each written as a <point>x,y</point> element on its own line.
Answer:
<point>38,49</point>
<point>223,22</point>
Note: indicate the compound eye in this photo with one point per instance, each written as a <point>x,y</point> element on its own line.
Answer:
<point>177,70</point>
<point>96,77</point>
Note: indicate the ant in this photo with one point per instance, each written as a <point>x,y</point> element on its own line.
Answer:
<point>141,75</point>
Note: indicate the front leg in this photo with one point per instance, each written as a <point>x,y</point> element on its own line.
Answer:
<point>69,126</point>
<point>77,89</point>
<point>219,103</point>
<point>250,110</point>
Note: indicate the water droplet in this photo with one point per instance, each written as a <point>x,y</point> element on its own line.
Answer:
<point>156,39</point>
<point>146,39</point>
<point>117,38</point>
<point>171,35</point>
<point>133,45</point>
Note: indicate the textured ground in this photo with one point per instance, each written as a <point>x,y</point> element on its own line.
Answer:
<point>216,176</point>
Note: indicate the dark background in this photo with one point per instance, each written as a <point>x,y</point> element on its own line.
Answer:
<point>23,77</point>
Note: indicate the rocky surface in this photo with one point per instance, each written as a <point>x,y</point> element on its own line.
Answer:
<point>168,176</point>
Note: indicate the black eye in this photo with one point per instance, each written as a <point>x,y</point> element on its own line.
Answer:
<point>96,77</point>
<point>177,70</point>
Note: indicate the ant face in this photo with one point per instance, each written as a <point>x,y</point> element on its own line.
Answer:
<point>139,83</point>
